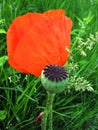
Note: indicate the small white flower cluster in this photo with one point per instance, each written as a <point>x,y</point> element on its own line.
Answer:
<point>72,66</point>
<point>84,46</point>
<point>14,78</point>
<point>79,84</point>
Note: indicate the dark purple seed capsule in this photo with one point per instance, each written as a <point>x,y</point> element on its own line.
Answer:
<point>55,72</point>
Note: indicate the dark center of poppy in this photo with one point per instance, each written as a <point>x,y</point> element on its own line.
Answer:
<point>55,72</point>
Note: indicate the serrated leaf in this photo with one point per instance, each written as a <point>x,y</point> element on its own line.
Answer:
<point>3,114</point>
<point>3,59</point>
<point>2,31</point>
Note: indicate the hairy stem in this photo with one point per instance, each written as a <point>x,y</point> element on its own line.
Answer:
<point>48,115</point>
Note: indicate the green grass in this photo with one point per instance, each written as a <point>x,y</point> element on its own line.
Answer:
<point>22,97</point>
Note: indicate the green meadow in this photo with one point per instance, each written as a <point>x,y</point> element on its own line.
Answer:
<point>22,97</point>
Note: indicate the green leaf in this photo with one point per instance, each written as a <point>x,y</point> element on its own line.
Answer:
<point>3,59</point>
<point>3,114</point>
<point>1,21</point>
<point>2,31</point>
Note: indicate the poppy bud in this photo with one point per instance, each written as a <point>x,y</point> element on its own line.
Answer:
<point>39,118</point>
<point>54,78</point>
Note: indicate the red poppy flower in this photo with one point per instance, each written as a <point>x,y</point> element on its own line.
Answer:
<point>35,40</point>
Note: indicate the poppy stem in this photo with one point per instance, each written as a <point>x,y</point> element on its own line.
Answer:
<point>48,113</point>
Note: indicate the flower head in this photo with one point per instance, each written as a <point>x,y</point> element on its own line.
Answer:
<point>35,40</point>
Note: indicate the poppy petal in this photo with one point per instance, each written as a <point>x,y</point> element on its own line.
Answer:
<point>54,13</point>
<point>16,31</point>
<point>44,43</point>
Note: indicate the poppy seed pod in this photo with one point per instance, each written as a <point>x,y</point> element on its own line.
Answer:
<point>54,78</point>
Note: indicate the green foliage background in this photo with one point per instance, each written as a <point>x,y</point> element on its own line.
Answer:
<point>22,97</point>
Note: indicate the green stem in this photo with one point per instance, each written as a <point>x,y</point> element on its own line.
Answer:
<point>50,121</point>
<point>48,111</point>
